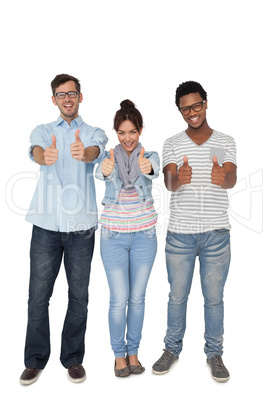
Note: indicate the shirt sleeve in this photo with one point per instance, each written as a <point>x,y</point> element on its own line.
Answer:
<point>38,138</point>
<point>168,153</point>
<point>98,139</point>
<point>155,162</point>
<point>230,152</point>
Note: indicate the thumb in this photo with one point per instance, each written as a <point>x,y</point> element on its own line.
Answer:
<point>215,161</point>
<point>112,155</point>
<point>185,161</point>
<point>53,145</point>
<point>141,153</point>
<point>77,138</point>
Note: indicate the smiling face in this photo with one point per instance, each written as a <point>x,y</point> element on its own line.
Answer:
<point>68,106</point>
<point>194,119</point>
<point>128,136</point>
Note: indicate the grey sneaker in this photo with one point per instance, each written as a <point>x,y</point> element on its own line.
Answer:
<point>218,370</point>
<point>163,365</point>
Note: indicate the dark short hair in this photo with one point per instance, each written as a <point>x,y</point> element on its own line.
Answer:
<point>129,112</point>
<point>187,88</point>
<point>61,79</point>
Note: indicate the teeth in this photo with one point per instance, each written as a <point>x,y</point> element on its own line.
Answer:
<point>194,118</point>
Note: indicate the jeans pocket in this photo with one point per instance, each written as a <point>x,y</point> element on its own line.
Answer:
<point>107,234</point>
<point>150,233</point>
<point>222,231</point>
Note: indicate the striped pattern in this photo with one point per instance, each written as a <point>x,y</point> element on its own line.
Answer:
<point>128,214</point>
<point>199,206</point>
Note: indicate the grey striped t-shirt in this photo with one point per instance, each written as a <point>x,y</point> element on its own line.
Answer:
<point>200,206</point>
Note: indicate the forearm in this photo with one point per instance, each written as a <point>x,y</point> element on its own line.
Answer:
<point>230,180</point>
<point>90,154</point>
<point>38,155</point>
<point>172,182</point>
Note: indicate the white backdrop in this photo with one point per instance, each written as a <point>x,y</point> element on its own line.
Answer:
<point>141,50</point>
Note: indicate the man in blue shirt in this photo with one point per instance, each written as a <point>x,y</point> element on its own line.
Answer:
<point>64,215</point>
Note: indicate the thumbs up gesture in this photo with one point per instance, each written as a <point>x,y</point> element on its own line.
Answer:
<point>51,153</point>
<point>144,163</point>
<point>77,148</point>
<point>108,164</point>
<point>218,173</point>
<point>185,172</point>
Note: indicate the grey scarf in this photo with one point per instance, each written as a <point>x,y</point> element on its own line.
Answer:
<point>128,167</point>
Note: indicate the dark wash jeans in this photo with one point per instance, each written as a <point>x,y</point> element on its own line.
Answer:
<point>47,249</point>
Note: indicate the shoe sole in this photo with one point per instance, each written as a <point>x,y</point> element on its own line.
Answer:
<point>164,372</point>
<point>29,382</point>
<point>220,379</point>
<point>77,380</point>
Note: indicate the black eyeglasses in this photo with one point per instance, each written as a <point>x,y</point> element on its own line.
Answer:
<point>197,107</point>
<point>71,94</point>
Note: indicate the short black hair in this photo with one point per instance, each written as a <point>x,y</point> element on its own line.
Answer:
<point>61,79</point>
<point>187,88</point>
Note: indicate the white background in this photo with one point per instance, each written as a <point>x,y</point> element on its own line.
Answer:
<point>141,50</point>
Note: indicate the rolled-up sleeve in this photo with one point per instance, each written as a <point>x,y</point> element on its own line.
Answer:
<point>155,162</point>
<point>38,138</point>
<point>98,139</point>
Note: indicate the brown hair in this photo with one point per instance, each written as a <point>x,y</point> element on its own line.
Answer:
<point>61,79</point>
<point>129,112</point>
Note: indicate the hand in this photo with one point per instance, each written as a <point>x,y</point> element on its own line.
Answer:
<point>185,172</point>
<point>51,153</point>
<point>77,148</point>
<point>144,163</point>
<point>108,164</point>
<point>218,173</point>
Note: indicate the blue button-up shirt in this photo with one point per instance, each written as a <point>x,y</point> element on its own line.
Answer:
<point>65,198</point>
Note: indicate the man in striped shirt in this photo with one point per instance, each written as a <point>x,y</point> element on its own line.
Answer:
<point>199,165</point>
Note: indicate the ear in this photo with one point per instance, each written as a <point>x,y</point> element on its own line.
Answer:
<point>54,100</point>
<point>80,97</point>
<point>206,104</point>
<point>140,130</point>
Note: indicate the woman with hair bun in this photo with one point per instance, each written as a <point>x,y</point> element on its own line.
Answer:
<point>128,235</point>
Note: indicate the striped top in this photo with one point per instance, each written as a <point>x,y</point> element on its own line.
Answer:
<point>128,214</point>
<point>199,206</point>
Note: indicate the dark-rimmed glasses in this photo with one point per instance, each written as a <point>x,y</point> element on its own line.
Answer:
<point>71,94</point>
<point>197,107</point>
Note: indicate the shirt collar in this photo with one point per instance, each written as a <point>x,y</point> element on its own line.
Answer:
<point>78,121</point>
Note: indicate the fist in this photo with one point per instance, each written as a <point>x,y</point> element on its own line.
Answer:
<point>218,173</point>
<point>108,164</point>
<point>77,148</point>
<point>144,163</point>
<point>185,172</point>
<point>51,153</point>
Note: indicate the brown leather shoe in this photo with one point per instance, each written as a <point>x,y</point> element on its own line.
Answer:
<point>76,373</point>
<point>29,376</point>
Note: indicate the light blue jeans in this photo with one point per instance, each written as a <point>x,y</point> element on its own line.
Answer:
<point>128,259</point>
<point>213,249</point>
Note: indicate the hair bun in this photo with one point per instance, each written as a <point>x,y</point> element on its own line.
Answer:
<point>127,104</point>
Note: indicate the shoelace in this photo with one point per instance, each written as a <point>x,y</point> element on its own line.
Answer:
<point>165,357</point>
<point>219,364</point>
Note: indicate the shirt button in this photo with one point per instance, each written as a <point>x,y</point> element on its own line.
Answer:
<point>140,186</point>
<point>144,200</point>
